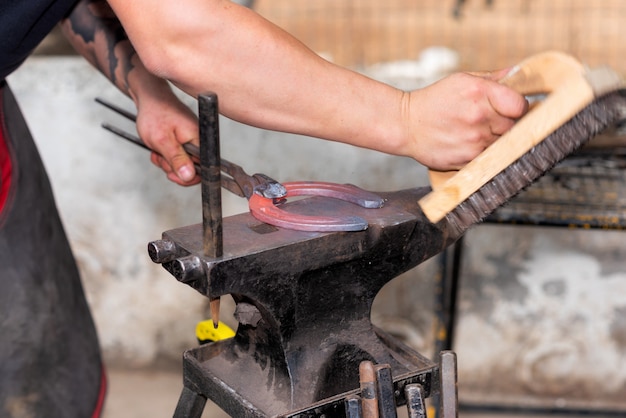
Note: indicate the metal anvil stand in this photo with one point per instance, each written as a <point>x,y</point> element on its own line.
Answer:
<point>303,299</point>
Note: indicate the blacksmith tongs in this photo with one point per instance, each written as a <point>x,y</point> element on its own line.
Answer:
<point>264,193</point>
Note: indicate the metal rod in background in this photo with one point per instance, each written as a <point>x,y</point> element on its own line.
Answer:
<point>352,404</point>
<point>385,392</point>
<point>415,401</point>
<point>449,397</point>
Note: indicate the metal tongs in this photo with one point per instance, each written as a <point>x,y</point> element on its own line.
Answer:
<point>264,193</point>
<point>236,181</point>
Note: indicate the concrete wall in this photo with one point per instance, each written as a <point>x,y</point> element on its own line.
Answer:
<point>541,311</point>
<point>543,316</point>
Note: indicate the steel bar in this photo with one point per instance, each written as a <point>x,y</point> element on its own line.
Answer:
<point>128,115</point>
<point>190,404</point>
<point>211,175</point>
<point>353,406</point>
<point>447,289</point>
<point>385,391</point>
<point>449,392</point>
<point>212,239</point>
<point>415,401</point>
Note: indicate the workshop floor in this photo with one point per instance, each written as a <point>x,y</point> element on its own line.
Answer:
<point>148,393</point>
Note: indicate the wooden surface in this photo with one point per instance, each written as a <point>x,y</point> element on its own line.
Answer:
<point>364,32</point>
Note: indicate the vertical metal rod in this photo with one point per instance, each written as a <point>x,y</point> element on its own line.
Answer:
<point>386,392</point>
<point>210,163</point>
<point>447,296</point>
<point>415,401</point>
<point>449,391</point>
<point>211,175</point>
<point>369,397</point>
<point>353,406</point>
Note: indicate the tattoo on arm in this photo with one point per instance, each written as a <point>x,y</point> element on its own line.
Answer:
<point>95,32</point>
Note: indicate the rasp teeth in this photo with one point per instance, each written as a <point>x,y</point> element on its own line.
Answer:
<point>595,118</point>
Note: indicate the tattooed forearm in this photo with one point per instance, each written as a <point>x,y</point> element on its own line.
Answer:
<point>95,32</point>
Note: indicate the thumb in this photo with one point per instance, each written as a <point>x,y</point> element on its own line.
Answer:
<point>506,101</point>
<point>491,75</point>
<point>182,165</point>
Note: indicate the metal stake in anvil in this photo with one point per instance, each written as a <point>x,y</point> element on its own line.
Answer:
<point>210,163</point>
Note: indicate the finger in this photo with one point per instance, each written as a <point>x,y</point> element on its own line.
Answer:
<point>506,101</point>
<point>183,166</point>
<point>164,165</point>
<point>160,162</point>
<point>498,74</point>
<point>174,178</point>
<point>491,75</point>
<point>499,125</point>
<point>176,157</point>
<point>155,159</point>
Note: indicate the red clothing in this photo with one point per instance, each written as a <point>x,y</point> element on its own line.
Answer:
<point>50,363</point>
<point>5,168</point>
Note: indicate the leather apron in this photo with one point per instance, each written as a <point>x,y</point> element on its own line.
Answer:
<point>50,364</point>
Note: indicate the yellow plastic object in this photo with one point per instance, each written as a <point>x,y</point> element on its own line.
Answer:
<point>206,333</point>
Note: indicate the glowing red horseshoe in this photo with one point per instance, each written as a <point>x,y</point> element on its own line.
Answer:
<point>265,210</point>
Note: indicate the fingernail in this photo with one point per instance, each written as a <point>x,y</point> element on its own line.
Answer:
<point>185,173</point>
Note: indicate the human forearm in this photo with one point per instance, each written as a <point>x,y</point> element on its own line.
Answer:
<point>96,34</point>
<point>163,122</point>
<point>263,76</point>
<point>266,78</point>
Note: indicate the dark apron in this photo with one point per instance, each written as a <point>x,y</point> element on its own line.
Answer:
<point>50,363</point>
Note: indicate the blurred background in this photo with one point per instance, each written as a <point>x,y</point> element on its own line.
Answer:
<point>541,312</point>
<point>487,34</point>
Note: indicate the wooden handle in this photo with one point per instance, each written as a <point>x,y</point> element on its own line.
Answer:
<point>542,73</point>
<point>539,74</point>
<point>572,89</point>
